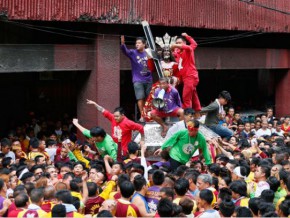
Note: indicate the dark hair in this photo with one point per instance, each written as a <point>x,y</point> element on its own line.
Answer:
<point>165,208</point>
<point>181,186</point>
<point>227,180</point>
<point>225,95</point>
<point>5,142</point>
<point>132,147</point>
<point>206,195</point>
<point>165,154</point>
<point>187,205</point>
<point>29,186</point>
<point>20,189</point>
<point>64,196</point>
<point>268,195</point>
<point>67,175</point>
<point>74,184</point>
<point>225,193</point>
<point>168,192</point>
<point>181,170</point>
<point>142,39</point>
<point>164,79</point>
<point>58,211</point>
<point>181,37</point>
<point>6,162</point>
<point>36,159</point>
<point>122,178</point>
<point>68,165</point>
<point>34,142</point>
<point>239,187</point>
<point>284,207</point>
<point>266,169</point>
<point>243,212</point>
<point>120,110</point>
<point>26,176</point>
<point>36,195</point>
<point>255,161</point>
<point>191,174</point>
<point>21,200</point>
<point>227,208</point>
<point>188,111</point>
<point>158,177</point>
<point>254,205</point>
<point>126,189</point>
<point>139,182</point>
<point>120,164</point>
<point>35,167</point>
<point>98,132</point>
<point>214,168</point>
<point>274,183</point>
<point>265,208</point>
<point>215,182</point>
<point>92,189</point>
<point>177,209</point>
<point>104,213</point>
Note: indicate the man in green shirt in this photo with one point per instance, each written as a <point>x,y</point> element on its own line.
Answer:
<point>184,143</point>
<point>104,142</point>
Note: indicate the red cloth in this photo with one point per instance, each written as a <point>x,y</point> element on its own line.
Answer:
<point>127,126</point>
<point>15,212</point>
<point>188,74</point>
<point>58,159</point>
<point>93,205</point>
<point>12,207</point>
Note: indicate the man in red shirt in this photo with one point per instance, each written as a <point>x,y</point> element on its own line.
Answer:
<point>184,55</point>
<point>122,127</point>
<point>21,202</point>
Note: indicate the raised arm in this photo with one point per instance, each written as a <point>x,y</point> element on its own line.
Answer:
<point>76,123</point>
<point>124,48</point>
<point>192,42</point>
<point>99,108</point>
<point>184,47</point>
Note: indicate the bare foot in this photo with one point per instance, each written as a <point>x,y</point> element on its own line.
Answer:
<point>165,129</point>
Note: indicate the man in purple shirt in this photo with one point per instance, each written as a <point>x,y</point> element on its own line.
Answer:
<point>172,104</point>
<point>142,76</point>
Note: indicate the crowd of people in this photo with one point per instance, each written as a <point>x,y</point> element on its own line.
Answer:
<point>47,170</point>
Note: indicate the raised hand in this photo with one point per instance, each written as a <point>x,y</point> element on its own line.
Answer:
<point>91,102</point>
<point>122,39</point>
<point>157,152</point>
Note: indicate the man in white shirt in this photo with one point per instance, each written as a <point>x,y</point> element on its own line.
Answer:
<point>6,148</point>
<point>278,129</point>
<point>264,130</point>
<point>181,125</point>
<point>261,175</point>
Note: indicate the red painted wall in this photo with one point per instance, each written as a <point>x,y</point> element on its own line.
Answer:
<point>283,94</point>
<point>208,14</point>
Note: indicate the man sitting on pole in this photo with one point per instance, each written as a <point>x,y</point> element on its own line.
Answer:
<point>167,103</point>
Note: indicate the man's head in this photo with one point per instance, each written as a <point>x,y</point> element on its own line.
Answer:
<point>92,189</point>
<point>126,189</point>
<point>204,181</point>
<point>117,168</point>
<point>133,148</point>
<point>66,168</point>
<point>34,143</point>
<point>52,171</point>
<point>164,83</point>
<point>21,200</point>
<point>188,114</point>
<point>36,196</point>
<point>231,111</point>
<point>119,114</point>
<point>166,192</point>
<point>192,127</point>
<point>64,197</point>
<point>98,134</point>
<point>58,211</point>
<point>37,170</point>
<point>187,205</point>
<point>28,178</point>
<point>63,152</point>
<point>269,112</point>
<point>205,198</point>
<point>191,176</point>
<point>5,145</point>
<point>165,208</point>
<point>158,177</point>
<point>224,97</point>
<point>181,186</point>
<point>262,173</point>
<point>226,208</point>
<point>238,188</point>
<point>39,160</point>
<point>264,124</point>
<point>67,178</point>
<point>180,40</point>
<point>97,176</point>
<point>140,183</point>
<point>140,44</point>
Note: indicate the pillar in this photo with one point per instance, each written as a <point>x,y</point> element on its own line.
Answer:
<point>282,96</point>
<point>102,84</point>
